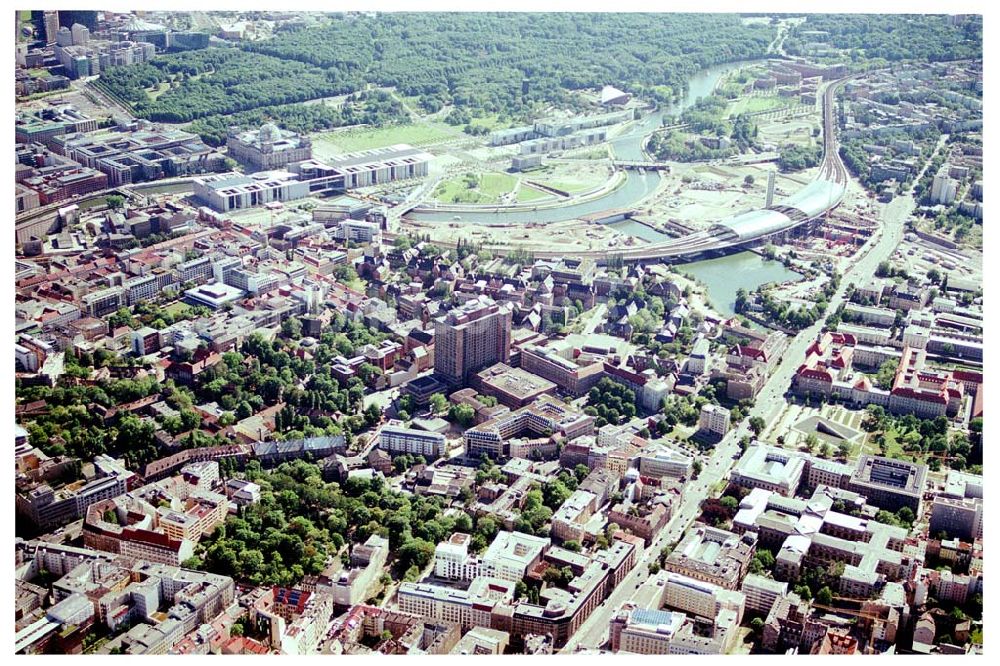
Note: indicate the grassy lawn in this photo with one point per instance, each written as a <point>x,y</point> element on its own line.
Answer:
<point>160,88</point>
<point>456,191</point>
<point>356,284</point>
<point>757,104</point>
<point>488,189</point>
<point>527,193</point>
<point>412,102</point>
<point>595,154</point>
<point>570,186</point>
<point>491,122</point>
<point>332,143</point>
<point>496,184</point>
<point>894,448</point>
<point>177,310</point>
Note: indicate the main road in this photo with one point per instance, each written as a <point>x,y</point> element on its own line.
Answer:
<point>769,403</point>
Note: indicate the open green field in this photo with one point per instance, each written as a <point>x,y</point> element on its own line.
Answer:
<point>758,104</point>
<point>348,141</point>
<point>598,153</point>
<point>527,193</point>
<point>496,184</point>
<point>572,185</point>
<point>491,122</point>
<point>484,188</point>
<point>160,88</point>
<point>177,310</point>
<point>456,191</point>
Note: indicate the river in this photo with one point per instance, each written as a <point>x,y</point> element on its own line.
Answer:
<point>628,146</point>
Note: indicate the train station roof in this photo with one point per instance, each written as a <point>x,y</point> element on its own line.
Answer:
<point>756,223</point>
<point>815,198</point>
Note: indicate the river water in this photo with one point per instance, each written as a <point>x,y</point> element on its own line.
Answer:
<point>724,276</point>
<point>626,147</point>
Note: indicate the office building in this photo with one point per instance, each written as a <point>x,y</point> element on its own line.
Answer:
<point>49,508</point>
<point>771,468</point>
<point>513,387</point>
<point>468,608</point>
<point>356,583</point>
<point>889,483</point>
<point>698,597</point>
<point>713,555</point>
<point>509,557</point>
<point>543,418</point>
<point>761,593</point>
<point>231,191</point>
<point>958,510</point>
<point>809,533</point>
<point>659,461</point>
<point>366,168</point>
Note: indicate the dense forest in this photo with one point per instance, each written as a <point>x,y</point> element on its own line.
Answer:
<point>214,81</point>
<point>480,60</point>
<point>892,36</point>
<point>474,61</point>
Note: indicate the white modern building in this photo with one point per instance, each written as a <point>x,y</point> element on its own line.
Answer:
<point>231,191</point>
<point>509,557</point>
<point>661,461</point>
<point>395,438</point>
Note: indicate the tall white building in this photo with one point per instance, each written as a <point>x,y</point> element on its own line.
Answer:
<point>944,189</point>
<point>660,461</point>
<point>714,419</point>
<point>698,597</point>
<point>81,34</point>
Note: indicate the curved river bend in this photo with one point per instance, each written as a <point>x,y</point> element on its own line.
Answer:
<point>626,147</point>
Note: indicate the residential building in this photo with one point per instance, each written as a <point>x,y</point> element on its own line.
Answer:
<point>397,439</point>
<point>471,337</point>
<point>714,420</point>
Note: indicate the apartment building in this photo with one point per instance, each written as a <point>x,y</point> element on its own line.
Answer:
<point>471,337</point>
<point>397,439</point>
<point>714,420</point>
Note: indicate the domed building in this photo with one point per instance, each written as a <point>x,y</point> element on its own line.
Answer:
<point>268,148</point>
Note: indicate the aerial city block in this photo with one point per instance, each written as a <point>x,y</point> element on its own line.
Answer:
<point>464,333</point>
